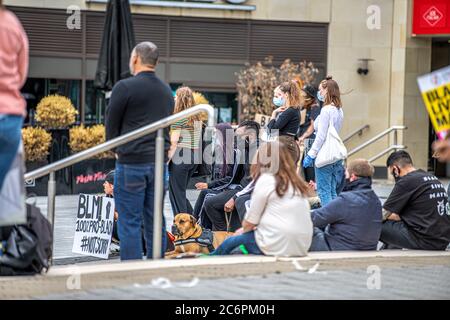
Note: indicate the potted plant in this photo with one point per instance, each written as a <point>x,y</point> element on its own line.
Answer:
<point>88,175</point>
<point>36,143</point>
<point>56,114</point>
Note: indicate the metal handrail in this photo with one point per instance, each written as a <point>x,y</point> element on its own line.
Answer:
<point>394,147</point>
<point>377,137</point>
<point>114,143</point>
<point>356,132</point>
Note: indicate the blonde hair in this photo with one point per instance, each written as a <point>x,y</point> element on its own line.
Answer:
<point>185,100</point>
<point>360,168</point>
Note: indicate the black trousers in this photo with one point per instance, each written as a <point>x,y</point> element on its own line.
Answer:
<point>180,174</point>
<point>395,235</point>
<point>309,174</point>
<point>199,209</point>
<point>240,205</point>
<point>214,211</point>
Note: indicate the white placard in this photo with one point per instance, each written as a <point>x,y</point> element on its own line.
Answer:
<point>94,226</point>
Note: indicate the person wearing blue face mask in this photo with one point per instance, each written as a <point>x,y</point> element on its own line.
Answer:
<point>320,97</point>
<point>329,178</point>
<point>285,118</point>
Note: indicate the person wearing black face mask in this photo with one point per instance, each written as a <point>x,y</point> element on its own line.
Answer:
<point>417,211</point>
<point>239,185</point>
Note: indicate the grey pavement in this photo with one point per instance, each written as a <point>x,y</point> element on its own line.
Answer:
<point>427,282</point>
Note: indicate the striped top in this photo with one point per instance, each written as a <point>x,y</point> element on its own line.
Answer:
<point>190,136</point>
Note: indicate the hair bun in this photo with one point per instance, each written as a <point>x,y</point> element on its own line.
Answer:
<point>329,78</point>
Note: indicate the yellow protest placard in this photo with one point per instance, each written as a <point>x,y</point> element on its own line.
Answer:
<point>435,89</point>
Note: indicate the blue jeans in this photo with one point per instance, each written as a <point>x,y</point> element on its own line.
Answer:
<point>134,196</point>
<point>319,242</point>
<point>10,135</point>
<point>247,239</point>
<point>329,179</point>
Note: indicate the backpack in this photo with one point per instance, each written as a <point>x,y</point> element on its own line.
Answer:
<point>26,249</point>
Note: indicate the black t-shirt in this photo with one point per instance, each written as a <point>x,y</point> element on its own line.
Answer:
<point>421,201</point>
<point>311,114</point>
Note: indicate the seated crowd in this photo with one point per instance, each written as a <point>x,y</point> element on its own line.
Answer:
<point>279,221</point>
<point>258,193</point>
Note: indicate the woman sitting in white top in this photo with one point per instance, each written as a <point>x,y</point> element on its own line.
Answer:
<point>278,222</point>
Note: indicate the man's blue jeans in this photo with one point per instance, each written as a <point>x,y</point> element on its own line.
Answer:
<point>319,241</point>
<point>134,196</point>
<point>10,135</point>
<point>247,239</point>
<point>329,179</point>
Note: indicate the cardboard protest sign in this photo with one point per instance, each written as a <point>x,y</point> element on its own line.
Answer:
<point>94,226</point>
<point>262,119</point>
<point>435,89</point>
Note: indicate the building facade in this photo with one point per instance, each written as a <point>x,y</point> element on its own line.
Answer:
<point>203,45</point>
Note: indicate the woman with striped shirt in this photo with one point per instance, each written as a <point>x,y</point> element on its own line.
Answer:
<point>185,139</point>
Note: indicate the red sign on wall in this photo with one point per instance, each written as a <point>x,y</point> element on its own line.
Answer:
<point>431,17</point>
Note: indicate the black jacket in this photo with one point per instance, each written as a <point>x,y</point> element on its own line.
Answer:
<point>240,175</point>
<point>136,102</point>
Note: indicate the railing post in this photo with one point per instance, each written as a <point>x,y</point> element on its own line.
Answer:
<point>51,194</point>
<point>159,194</point>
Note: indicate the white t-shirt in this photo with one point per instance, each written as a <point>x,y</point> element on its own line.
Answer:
<point>284,226</point>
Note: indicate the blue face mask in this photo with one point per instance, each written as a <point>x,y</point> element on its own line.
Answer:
<point>320,97</point>
<point>279,102</point>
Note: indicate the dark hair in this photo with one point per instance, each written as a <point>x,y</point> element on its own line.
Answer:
<point>109,176</point>
<point>311,94</point>
<point>400,158</point>
<point>292,89</point>
<point>251,124</point>
<point>148,52</point>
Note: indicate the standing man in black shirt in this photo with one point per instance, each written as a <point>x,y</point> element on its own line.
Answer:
<point>136,102</point>
<point>417,210</point>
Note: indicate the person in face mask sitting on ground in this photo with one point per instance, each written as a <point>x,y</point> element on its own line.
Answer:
<point>417,210</point>
<point>353,220</point>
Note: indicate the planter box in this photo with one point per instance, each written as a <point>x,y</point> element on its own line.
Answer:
<point>37,187</point>
<point>88,176</point>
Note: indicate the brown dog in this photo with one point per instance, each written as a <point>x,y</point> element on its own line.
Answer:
<point>186,228</point>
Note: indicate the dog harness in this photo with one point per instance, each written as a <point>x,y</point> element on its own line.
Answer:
<point>205,240</point>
